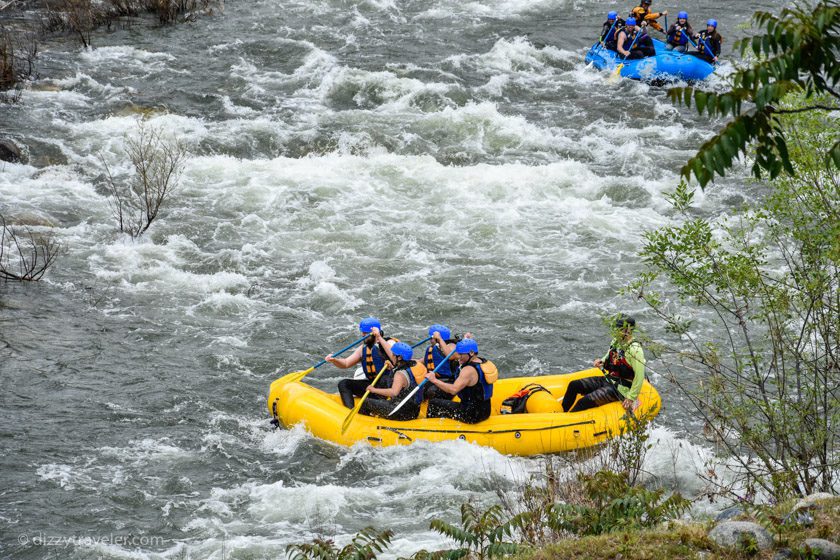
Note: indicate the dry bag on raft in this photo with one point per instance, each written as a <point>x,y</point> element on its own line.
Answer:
<point>518,403</point>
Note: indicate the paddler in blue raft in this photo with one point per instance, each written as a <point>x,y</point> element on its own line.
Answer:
<point>680,34</point>
<point>634,43</point>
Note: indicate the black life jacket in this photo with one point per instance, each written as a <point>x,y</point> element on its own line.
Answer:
<point>409,369</point>
<point>481,391</point>
<point>374,358</point>
<point>619,372</point>
<point>677,38</point>
<point>713,40</point>
<point>608,36</point>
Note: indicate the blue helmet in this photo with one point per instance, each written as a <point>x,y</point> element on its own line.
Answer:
<point>682,15</point>
<point>612,16</point>
<point>712,22</point>
<point>367,324</point>
<point>466,346</point>
<point>445,333</point>
<point>631,22</point>
<point>402,350</point>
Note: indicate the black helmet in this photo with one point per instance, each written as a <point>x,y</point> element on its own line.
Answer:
<point>622,321</point>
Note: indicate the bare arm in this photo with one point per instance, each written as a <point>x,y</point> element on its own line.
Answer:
<point>467,378</point>
<point>622,36</point>
<point>398,385</point>
<point>348,362</point>
<point>445,347</point>
<point>384,344</point>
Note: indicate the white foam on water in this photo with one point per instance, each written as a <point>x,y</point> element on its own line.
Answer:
<point>60,474</point>
<point>52,191</point>
<point>123,54</point>
<point>284,443</point>
<point>144,451</point>
<point>449,9</point>
<point>235,44</point>
<point>141,265</point>
<point>515,55</point>
<point>106,137</point>
<point>233,341</point>
<point>82,80</point>
<point>224,303</point>
<point>236,110</point>
<point>64,98</point>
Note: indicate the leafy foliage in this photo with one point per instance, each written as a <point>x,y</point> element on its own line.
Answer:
<point>769,279</point>
<point>797,52</point>
<point>615,505</point>
<point>481,533</point>
<point>366,545</point>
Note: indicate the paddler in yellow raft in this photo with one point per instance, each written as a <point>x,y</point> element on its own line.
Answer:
<point>624,373</point>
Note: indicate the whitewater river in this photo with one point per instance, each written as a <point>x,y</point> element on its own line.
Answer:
<point>423,161</point>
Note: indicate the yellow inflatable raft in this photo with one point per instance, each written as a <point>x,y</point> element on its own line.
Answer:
<point>543,429</point>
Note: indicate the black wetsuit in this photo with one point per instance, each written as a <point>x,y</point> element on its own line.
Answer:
<point>609,37</point>
<point>596,391</point>
<point>373,358</point>
<point>382,408</point>
<point>474,406</point>
<point>447,374</point>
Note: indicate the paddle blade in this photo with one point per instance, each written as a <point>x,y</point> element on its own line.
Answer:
<point>350,415</point>
<point>358,406</point>
<point>616,75</point>
<point>298,375</point>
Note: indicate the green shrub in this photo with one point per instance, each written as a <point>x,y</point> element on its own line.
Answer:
<point>481,533</point>
<point>615,505</point>
<point>365,546</point>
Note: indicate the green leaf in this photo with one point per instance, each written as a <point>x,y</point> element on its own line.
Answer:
<point>725,104</point>
<point>700,100</point>
<point>728,144</point>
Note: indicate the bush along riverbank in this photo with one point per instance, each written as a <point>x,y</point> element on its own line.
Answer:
<point>620,522</point>
<point>601,504</point>
<point>805,529</point>
<point>25,24</point>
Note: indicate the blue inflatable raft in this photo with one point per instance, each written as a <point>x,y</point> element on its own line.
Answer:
<point>665,65</point>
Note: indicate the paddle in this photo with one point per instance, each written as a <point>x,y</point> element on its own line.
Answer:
<point>601,40</point>
<point>666,25</point>
<point>352,414</point>
<point>617,72</point>
<point>693,44</point>
<point>411,394</point>
<point>711,52</point>
<point>303,373</point>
